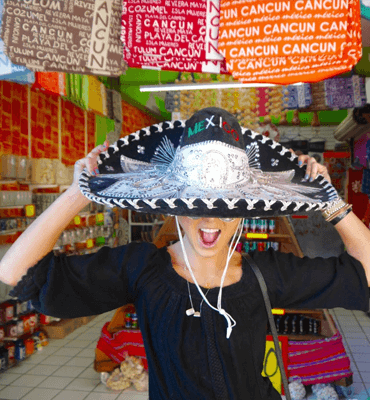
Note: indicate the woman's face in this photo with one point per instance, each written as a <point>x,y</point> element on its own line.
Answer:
<point>208,236</point>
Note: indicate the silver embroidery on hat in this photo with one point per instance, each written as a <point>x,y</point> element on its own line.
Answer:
<point>205,170</point>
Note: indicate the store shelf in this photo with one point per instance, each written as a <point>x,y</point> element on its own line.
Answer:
<point>155,223</point>
<point>32,186</point>
<point>146,223</point>
<point>302,337</point>
<point>277,236</point>
<point>12,231</point>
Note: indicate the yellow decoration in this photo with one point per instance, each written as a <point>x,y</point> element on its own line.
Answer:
<point>30,210</point>
<point>271,367</point>
<point>251,235</point>
<point>278,311</point>
<point>99,219</point>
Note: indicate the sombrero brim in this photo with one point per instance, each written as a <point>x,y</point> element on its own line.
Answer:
<point>137,173</point>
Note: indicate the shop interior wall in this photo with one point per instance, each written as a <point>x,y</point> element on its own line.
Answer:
<point>34,131</point>
<point>135,119</point>
<point>40,123</point>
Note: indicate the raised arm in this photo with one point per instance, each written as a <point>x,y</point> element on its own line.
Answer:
<point>40,237</point>
<point>355,235</point>
<point>356,238</point>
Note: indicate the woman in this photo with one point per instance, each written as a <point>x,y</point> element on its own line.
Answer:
<point>184,293</point>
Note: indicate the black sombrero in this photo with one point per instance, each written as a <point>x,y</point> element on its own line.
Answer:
<point>205,166</point>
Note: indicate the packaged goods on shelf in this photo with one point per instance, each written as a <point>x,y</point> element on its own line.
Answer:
<point>62,173</point>
<point>20,334</point>
<point>10,198</point>
<point>259,225</point>
<point>42,171</point>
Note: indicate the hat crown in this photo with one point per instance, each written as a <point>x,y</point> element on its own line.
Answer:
<point>213,124</point>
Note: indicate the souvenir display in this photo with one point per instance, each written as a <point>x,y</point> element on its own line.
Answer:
<point>343,93</point>
<point>297,96</point>
<point>243,103</point>
<point>319,361</point>
<point>172,101</point>
<point>124,341</point>
<point>19,326</point>
<point>318,97</point>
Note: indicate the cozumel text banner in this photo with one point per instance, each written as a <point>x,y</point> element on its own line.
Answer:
<point>179,35</point>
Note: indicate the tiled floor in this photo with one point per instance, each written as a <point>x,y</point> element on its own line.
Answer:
<point>355,329</point>
<point>64,369</point>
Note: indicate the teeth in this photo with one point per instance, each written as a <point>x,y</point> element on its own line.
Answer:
<point>210,230</point>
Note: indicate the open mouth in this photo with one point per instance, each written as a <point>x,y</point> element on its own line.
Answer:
<point>209,237</point>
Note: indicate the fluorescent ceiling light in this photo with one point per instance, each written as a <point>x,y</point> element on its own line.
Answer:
<point>204,86</point>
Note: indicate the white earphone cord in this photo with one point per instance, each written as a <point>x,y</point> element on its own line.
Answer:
<point>229,319</point>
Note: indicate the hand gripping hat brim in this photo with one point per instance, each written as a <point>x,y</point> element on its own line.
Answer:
<point>206,166</point>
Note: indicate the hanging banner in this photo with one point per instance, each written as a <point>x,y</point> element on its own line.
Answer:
<point>174,64</point>
<point>65,35</point>
<point>289,41</point>
<point>172,35</point>
<point>175,29</point>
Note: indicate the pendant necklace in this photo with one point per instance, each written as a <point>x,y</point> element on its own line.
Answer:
<point>191,311</point>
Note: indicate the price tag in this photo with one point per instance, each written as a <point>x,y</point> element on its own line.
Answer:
<point>252,235</point>
<point>100,219</point>
<point>77,220</point>
<point>89,243</point>
<point>30,210</point>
